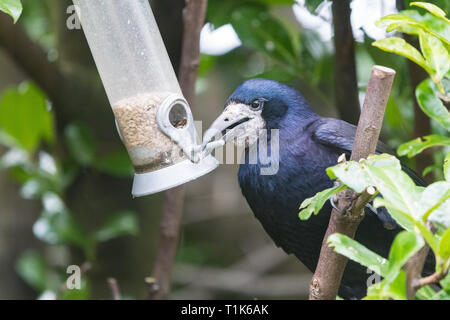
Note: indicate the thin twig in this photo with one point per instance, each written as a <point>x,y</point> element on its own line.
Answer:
<point>330,268</point>
<point>114,287</point>
<point>433,278</point>
<point>159,286</point>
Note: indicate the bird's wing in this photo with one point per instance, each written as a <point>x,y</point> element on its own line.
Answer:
<point>340,135</point>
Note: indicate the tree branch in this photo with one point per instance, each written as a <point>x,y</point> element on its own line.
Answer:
<point>330,268</point>
<point>114,287</point>
<point>159,286</point>
<point>345,80</point>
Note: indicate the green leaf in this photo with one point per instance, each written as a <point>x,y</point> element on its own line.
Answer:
<point>435,201</point>
<point>431,105</point>
<point>401,47</point>
<point>445,283</point>
<point>444,245</point>
<point>416,146</point>
<point>404,246</point>
<point>81,143</point>
<point>447,167</point>
<point>314,204</point>
<point>352,174</point>
<point>425,293</point>
<point>411,22</point>
<point>33,269</point>
<point>56,225</point>
<point>78,294</point>
<point>312,5</point>
<point>11,7</point>
<point>258,30</point>
<point>396,187</point>
<point>116,164</point>
<point>355,251</point>
<point>438,12</point>
<point>436,55</point>
<point>25,118</point>
<point>442,295</point>
<point>120,224</point>
<point>393,287</point>
<point>403,219</point>
<point>355,175</point>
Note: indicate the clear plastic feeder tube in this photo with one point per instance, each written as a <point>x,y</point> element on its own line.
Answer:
<point>153,118</point>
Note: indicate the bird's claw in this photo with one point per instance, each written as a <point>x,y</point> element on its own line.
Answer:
<point>333,203</point>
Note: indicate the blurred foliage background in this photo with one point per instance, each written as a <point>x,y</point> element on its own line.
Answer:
<point>65,178</point>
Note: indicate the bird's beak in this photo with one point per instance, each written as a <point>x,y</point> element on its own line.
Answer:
<point>228,125</point>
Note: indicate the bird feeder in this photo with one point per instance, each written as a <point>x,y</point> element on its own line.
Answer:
<point>152,116</point>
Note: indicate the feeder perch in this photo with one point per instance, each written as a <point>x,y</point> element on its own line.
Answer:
<point>153,118</point>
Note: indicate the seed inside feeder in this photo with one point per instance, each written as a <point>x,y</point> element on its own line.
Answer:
<point>148,147</point>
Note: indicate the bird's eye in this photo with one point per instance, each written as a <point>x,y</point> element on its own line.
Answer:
<point>257,104</point>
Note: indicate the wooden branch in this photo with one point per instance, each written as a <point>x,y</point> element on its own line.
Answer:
<point>345,80</point>
<point>330,268</point>
<point>30,57</point>
<point>159,285</point>
<point>433,278</point>
<point>413,269</point>
<point>114,287</point>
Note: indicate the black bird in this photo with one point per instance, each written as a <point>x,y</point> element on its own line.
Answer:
<point>308,144</point>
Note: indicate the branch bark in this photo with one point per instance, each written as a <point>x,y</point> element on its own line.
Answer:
<point>345,80</point>
<point>330,268</point>
<point>159,285</point>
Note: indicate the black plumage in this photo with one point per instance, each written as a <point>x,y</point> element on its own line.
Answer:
<point>308,144</point>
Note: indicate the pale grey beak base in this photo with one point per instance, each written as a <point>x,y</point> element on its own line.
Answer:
<point>238,121</point>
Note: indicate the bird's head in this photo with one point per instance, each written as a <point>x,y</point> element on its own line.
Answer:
<point>255,105</point>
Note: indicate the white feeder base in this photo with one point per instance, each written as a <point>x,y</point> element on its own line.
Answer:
<point>156,181</point>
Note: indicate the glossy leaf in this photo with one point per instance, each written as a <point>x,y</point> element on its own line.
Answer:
<point>435,200</point>
<point>312,5</point>
<point>404,246</point>
<point>12,8</point>
<point>25,118</point>
<point>435,10</point>
<point>395,287</point>
<point>355,251</point>
<point>436,55</point>
<point>444,245</point>
<point>314,204</point>
<point>411,22</point>
<point>352,174</point>
<point>401,47</point>
<point>120,224</point>
<point>416,146</point>
<point>431,105</point>
<point>401,217</point>
<point>447,167</point>
<point>81,143</point>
